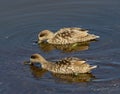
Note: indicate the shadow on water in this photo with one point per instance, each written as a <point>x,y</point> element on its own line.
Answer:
<point>38,72</point>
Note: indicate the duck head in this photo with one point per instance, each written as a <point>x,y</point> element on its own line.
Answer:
<point>45,35</point>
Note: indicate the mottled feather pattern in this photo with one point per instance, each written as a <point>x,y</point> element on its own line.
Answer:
<point>66,36</point>
<point>68,61</point>
<point>67,65</point>
<point>69,35</point>
<point>63,37</point>
<point>73,29</point>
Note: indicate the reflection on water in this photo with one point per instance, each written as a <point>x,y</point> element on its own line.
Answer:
<point>73,78</point>
<point>67,48</point>
<point>38,72</point>
<point>20,24</point>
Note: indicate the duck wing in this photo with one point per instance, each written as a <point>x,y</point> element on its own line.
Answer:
<point>68,35</point>
<point>74,32</point>
<point>71,35</point>
<point>70,61</point>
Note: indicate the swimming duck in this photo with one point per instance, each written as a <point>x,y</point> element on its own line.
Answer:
<point>69,65</point>
<point>66,36</point>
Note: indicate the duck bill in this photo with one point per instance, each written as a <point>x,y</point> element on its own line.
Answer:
<point>28,63</point>
<point>40,41</point>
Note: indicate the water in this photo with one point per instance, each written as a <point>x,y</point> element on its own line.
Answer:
<point>21,21</point>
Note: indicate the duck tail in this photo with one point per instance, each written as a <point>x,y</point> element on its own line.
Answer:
<point>93,36</point>
<point>93,67</point>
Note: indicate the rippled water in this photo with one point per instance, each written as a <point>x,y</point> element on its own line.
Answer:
<point>21,21</point>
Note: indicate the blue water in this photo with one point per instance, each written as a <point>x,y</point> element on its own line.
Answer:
<point>21,21</point>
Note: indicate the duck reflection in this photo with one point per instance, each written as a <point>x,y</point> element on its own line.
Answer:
<point>85,77</point>
<point>66,48</point>
<point>38,72</point>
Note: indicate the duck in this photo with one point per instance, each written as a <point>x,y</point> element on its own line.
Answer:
<point>67,65</point>
<point>66,36</point>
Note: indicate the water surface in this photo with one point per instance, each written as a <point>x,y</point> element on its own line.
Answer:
<point>21,21</point>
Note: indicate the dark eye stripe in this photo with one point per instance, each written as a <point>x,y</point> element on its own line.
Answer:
<point>41,35</point>
<point>33,57</point>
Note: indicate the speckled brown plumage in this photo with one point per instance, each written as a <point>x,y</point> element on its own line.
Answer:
<point>70,65</point>
<point>66,36</point>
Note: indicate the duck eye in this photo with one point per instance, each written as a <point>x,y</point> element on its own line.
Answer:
<point>41,35</point>
<point>33,57</point>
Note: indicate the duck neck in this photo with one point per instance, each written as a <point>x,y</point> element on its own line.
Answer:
<point>44,63</point>
<point>51,34</point>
